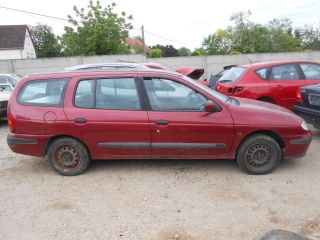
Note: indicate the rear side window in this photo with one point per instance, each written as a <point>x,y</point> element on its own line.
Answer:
<point>262,73</point>
<point>311,70</point>
<point>48,93</point>
<point>284,72</point>
<point>109,94</point>
<point>232,74</point>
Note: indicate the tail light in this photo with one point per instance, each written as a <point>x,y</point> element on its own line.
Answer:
<point>299,96</point>
<point>237,89</point>
<point>11,122</point>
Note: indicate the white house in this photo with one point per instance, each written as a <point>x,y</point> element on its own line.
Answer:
<point>15,42</point>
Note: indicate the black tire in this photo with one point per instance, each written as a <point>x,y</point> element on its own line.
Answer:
<point>68,156</point>
<point>259,154</point>
<point>266,99</point>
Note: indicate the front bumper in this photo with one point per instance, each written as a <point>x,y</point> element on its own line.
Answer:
<point>298,146</point>
<point>308,114</point>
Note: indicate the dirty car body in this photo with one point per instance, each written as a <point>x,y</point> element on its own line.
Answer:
<point>72,118</point>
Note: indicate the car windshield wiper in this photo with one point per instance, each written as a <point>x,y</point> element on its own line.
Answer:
<point>224,81</point>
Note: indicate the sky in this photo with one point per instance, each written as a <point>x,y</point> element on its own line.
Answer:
<point>179,23</point>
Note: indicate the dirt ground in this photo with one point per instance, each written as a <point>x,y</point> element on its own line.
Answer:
<point>157,200</point>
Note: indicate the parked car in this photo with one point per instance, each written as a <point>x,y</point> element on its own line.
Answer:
<point>6,87</point>
<point>194,73</point>
<point>75,117</point>
<point>4,98</point>
<point>215,77</point>
<point>274,82</point>
<point>308,104</point>
<point>12,79</point>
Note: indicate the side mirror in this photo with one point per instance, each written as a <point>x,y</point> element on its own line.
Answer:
<point>210,106</point>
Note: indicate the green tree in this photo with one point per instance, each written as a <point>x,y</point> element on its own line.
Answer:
<point>156,53</point>
<point>310,37</point>
<point>45,41</point>
<point>219,42</point>
<point>97,31</point>
<point>241,32</point>
<point>183,51</point>
<point>282,37</point>
<point>198,52</point>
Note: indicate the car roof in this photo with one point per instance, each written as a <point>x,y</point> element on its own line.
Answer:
<point>95,72</point>
<point>272,63</point>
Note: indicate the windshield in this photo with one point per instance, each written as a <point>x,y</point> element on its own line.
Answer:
<point>232,74</point>
<point>212,92</point>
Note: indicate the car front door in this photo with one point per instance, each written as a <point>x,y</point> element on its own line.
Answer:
<point>107,114</point>
<point>178,123</point>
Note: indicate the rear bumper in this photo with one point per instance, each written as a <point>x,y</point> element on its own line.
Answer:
<point>308,114</point>
<point>33,145</point>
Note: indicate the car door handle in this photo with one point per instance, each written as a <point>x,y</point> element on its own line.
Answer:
<point>80,120</point>
<point>162,122</point>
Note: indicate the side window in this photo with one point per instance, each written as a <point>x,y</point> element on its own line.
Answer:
<point>43,92</point>
<point>84,94</point>
<point>262,73</point>
<point>117,94</point>
<point>164,94</point>
<point>284,72</point>
<point>4,79</point>
<point>311,71</point>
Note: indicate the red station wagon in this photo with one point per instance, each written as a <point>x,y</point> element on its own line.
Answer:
<point>75,117</point>
<point>274,82</point>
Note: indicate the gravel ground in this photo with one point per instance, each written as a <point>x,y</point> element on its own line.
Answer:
<point>148,199</point>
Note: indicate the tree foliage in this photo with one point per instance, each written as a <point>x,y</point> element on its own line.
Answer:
<point>45,41</point>
<point>183,51</point>
<point>96,31</point>
<point>245,36</point>
<point>156,53</point>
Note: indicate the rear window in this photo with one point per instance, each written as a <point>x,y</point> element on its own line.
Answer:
<point>232,74</point>
<point>48,93</point>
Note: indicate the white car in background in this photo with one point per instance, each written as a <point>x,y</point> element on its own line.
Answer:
<point>12,79</point>
<point>4,98</point>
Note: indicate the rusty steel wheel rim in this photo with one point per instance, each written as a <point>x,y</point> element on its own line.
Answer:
<point>259,155</point>
<point>67,158</point>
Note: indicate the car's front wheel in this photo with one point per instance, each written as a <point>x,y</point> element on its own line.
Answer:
<point>68,156</point>
<point>259,154</point>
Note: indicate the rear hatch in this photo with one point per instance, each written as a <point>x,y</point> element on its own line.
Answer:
<point>194,73</point>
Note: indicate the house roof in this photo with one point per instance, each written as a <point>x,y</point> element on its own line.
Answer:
<point>134,42</point>
<point>12,36</point>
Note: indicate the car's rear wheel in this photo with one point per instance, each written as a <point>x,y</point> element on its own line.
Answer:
<point>259,154</point>
<point>266,99</point>
<point>68,156</point>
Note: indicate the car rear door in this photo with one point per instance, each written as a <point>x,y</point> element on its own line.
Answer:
<point>285,80</point>
<point>179,125</point>
<point>106,112</point>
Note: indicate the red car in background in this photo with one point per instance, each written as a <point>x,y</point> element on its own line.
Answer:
<point>274,82</point>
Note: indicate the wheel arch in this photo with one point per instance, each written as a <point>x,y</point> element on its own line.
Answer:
<point>266,99</point>
<point>52,139</point>
<point>269,133</point>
